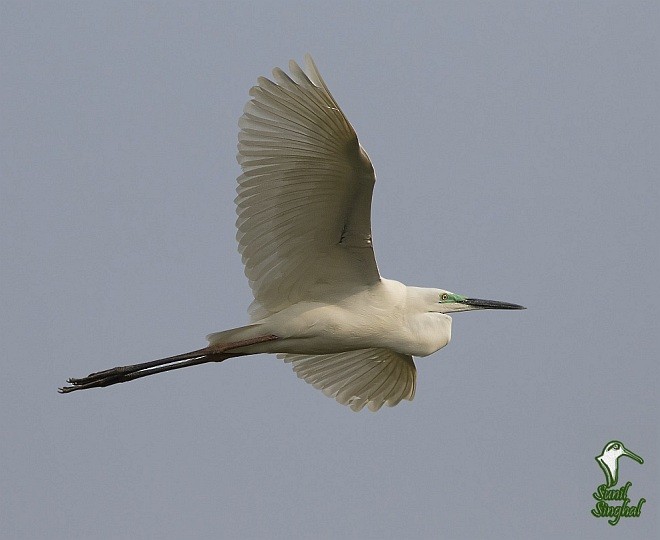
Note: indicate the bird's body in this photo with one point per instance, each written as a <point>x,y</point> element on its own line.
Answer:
<point>304,234</point>
<point>387,315</point>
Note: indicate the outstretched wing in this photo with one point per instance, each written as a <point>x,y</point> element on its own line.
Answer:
<point>372,377</point>
<point>304,198</point>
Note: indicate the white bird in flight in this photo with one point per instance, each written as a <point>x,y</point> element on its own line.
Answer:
<point>304,233</point>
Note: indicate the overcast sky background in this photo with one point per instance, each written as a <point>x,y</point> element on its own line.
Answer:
<point>517,151</point>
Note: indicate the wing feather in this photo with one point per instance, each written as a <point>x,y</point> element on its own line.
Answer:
<point>304,198</point>
<point>365,377</point>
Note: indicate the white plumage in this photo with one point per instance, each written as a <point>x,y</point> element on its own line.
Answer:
<point>304,234</point>
<point>304,198</point>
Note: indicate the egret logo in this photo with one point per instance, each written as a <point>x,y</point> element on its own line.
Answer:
<point>613,503</point>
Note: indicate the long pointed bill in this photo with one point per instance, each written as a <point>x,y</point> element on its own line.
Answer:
<point>477,303</point>
<point>632,455</point>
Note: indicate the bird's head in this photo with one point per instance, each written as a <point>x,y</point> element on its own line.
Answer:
<point>608,460</point>
<point>449,302</point>
<point>615,449</point>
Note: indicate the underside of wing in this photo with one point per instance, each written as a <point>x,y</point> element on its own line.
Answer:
<point>371,377</point>
<point>304,198</point>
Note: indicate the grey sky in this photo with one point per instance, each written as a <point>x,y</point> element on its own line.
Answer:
<point>516,147</point>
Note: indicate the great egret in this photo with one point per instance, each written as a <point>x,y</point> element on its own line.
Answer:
<point>304,233</point>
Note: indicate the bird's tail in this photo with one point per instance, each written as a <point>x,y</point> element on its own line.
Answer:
<point>233,335</point>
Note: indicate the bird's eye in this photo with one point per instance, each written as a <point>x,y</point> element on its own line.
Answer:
<point>444,296</point>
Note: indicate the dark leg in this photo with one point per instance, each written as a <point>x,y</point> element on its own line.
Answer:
<point>122,374</point>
